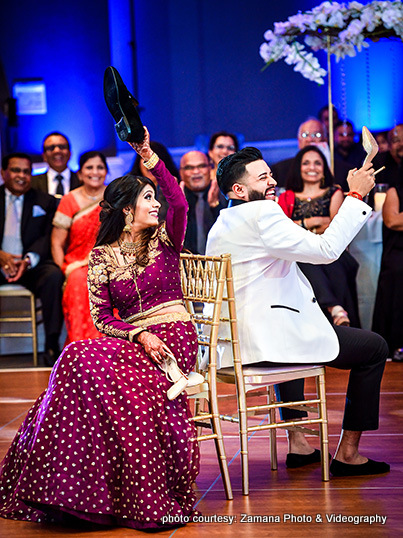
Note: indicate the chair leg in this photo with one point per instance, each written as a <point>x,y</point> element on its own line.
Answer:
<point>272,432</point>
<point>199,406</point>
<point>34,330</point>
<point>220,449</point>
<point>243,438</point>
<point>323,430</point>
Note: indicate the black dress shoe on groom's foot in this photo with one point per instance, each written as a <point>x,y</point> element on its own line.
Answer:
<point>338,468</point>
<point>122,106</point>
<point>293,461</point>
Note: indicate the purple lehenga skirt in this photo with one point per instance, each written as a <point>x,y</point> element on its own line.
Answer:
<point>103,443</point>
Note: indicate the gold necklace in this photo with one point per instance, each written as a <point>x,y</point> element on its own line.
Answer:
<point>123,251</point>
<point>128,247</point>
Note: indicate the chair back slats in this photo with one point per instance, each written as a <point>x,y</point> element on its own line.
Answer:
<point>204,281</point>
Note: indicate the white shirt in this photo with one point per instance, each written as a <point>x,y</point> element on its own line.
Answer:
<point>53,183</point>
<point>18,204</point>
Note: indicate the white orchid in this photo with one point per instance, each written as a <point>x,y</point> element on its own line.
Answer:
<point>391,17</point>
<point>338,27</point>
<point>356,5</point>
<point>370,19</point>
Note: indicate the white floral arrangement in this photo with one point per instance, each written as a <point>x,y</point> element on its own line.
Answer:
<point>339,28</point>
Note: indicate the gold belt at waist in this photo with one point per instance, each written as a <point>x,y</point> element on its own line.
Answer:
<point>163,318</point>
<point>147,313</point>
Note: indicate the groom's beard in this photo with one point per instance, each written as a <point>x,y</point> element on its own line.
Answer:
<point>255,195</point>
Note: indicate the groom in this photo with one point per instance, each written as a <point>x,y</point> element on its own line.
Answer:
<point>280,321</point>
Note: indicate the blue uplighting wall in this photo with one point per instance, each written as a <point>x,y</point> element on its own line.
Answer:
<point>200,71</point>
<point>373,85</point>
<point>194,66</point>
<point>67,45</point>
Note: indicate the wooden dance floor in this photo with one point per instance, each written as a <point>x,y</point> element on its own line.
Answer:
<point>281,503</point>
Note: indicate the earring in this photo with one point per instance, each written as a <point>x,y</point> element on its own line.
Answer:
<point>128,221</point>
<point>322,182</point>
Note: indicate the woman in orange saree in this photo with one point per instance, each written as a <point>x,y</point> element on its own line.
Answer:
<point>76,224</point>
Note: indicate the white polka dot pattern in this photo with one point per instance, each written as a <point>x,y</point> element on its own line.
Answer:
<point>103,442</point>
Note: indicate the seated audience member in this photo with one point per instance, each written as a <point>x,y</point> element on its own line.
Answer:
<point>59,179</point>
<point>382,139</point>
<point>279,319</point>
<point>388,312</point>
<point>311,200</point>
<point>76,225</point>
<point>312,132</point>
<point>221,144</point>
<point>392,159</point>
<point>196,183</point>
<point>138,169</point>
<point>25,224</point>
<point>344,146</point>
<point>323,116</point>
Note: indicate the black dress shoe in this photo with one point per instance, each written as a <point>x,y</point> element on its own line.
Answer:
<point>293,461</point>
<point>338,468</point>
<point>122,106</point>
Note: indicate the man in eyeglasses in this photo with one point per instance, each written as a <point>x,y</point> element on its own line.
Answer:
<point>26,216</point>
<point>312,132</point>
<point>59,179</point>
<point>195,177</point>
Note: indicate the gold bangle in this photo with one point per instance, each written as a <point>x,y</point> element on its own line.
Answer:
<point>152,161</point>
<point>134,334</point>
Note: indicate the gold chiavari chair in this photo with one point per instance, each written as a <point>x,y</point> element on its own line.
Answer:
<point>13,292</point>
<point>254,381</point>
<point>203,281</point>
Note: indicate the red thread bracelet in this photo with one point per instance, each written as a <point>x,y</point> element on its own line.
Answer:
<point>355,194</point>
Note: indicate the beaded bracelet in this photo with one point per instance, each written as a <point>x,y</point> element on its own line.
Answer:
<point>355,194</point>
<point>152,161</point>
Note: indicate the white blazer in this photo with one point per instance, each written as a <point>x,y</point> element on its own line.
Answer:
<point>279,319</point>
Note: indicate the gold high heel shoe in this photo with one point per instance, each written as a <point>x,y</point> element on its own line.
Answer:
<point>369,144</point>
<point>179,379</point>
<point>371,147</point>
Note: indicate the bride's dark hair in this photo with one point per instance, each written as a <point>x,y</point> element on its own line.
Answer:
<point>120,193</point>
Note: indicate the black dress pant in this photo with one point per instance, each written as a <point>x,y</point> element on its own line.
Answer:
<point>46,281</point>
<point>362,352</point>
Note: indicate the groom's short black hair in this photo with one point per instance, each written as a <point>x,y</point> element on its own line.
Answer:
<point>231,169</point>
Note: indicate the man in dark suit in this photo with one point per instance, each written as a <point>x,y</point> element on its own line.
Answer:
<point>311,132</point>
<point>59,179</point>
<point>345,148</point>
<point>392,159</point>
<point>204,205</point>
<point>26,216</point>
